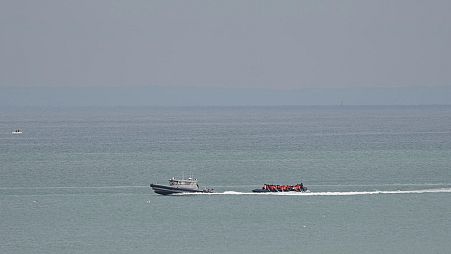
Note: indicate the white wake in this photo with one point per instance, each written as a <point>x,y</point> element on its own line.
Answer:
<point>334,193</point>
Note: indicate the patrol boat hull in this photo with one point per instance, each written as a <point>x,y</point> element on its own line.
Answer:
<point>168,190</point>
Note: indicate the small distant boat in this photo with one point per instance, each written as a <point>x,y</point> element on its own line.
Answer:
<point>18,131</point>
<point>281,188</point>
<point>177,186</point>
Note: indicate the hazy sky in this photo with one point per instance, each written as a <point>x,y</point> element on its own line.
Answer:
<point>278,45</point>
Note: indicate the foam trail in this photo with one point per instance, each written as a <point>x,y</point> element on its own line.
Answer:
<point>417,185</point>
<point>338,193</point>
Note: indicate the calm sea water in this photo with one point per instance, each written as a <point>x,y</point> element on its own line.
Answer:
<point>76,180</point>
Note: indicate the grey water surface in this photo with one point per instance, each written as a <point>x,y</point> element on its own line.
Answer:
<point>77,179</point>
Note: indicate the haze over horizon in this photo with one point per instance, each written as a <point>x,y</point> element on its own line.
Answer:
<point>115,53</point>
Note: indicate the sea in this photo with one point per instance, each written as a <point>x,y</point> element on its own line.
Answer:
<point>77,179</point>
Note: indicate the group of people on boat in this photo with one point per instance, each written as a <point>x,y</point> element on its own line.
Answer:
<point>282,188</point>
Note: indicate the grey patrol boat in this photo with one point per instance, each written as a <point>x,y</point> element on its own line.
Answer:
<point>177,186</point>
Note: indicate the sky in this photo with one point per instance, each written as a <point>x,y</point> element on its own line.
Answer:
<point>225,52</point>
